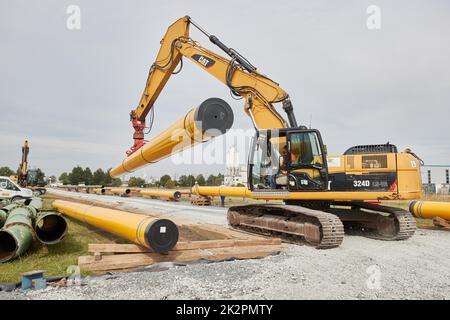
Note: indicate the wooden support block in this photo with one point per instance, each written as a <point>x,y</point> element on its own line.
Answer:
<point>98,256</point>
<point>440,222</point>
<point>188,245</point>
<point>229,233</point>
<point>134,260</point>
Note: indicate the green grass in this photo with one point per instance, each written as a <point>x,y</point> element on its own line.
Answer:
<point>56,258</point>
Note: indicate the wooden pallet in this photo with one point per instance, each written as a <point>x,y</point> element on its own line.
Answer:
<point>107,257</point>
<point>201,201</point>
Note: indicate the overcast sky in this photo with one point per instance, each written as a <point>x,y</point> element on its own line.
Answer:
<point>70,91</point>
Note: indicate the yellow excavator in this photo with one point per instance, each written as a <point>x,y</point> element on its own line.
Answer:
<point>323,195</point>
<point>28,178</point>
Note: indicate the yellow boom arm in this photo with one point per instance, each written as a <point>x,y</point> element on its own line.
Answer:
<point>258,91</point>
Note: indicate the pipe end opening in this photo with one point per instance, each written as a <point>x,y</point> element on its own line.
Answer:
<point>8,246</point>
<point>51,229</point>
<point>162,235</point>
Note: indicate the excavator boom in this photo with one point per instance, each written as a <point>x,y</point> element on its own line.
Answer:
<point>259,92</point>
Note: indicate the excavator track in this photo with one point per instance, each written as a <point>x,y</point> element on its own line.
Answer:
<point>375,221</point>
<point>292,223</point>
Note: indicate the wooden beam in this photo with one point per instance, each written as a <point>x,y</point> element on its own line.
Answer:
<point>188,245</point>
<point>440,222</point>
<point>228,232</point>
<point>134,260</point>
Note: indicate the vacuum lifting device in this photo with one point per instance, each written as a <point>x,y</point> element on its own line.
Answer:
<point>287,161</point>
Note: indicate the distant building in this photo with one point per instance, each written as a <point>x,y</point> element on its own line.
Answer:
<point>436,178</point>
<point>235,174</point>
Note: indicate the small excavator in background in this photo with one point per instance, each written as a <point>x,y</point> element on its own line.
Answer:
<point>28,178</point>
<point>323,195</point>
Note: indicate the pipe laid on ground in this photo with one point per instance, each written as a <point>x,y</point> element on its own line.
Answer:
<point>430,209</point>
<point>120,191</point>
<point>98,191</point>
<point>212,118</point>
<point>162,194</point>
<point>160,235</point>
<point>221,191</point>
<point>4,213</point>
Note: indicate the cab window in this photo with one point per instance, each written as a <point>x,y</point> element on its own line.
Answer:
<point>305,149</point>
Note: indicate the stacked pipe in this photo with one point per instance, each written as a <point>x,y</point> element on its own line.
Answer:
<point>169,195</point>
<point>23,222</point>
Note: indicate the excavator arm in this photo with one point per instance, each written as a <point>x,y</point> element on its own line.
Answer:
<point>23,166</point>
<point>258,91</point>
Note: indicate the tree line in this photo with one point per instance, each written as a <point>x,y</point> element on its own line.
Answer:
<point>100,177</point>
<point>168,182</point>
<point>79,175</point>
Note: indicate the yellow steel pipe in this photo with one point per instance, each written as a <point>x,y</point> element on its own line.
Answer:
<point>212,118</point>
<point>120,191</point>
<point>160,235</point>
<point>172,195</point>
<point>98,190</point>
<point>222,191</point>
<point>430,209</point>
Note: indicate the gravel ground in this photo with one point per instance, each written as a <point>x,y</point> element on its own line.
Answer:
<point>361,268</point>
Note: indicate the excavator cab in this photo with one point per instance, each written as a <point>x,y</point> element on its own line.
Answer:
<point>292,159</point>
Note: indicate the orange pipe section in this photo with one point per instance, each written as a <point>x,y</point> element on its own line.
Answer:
<point>160,235</point>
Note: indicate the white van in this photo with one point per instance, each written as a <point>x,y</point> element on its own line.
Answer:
<point>12,191</point>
